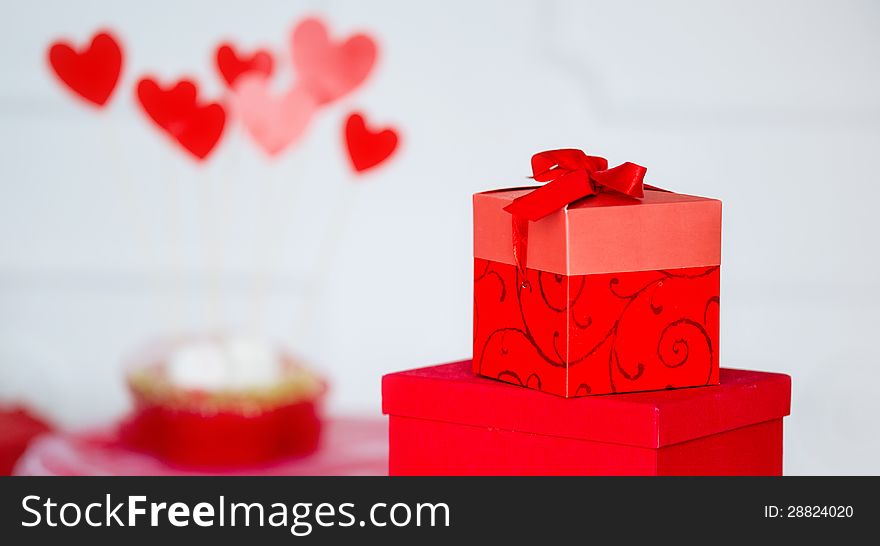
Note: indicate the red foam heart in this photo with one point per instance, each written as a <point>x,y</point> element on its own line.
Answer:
<point>329,69</point>
<point>176,111</point>
<point>231,65</point>
<point>368,148</point>
<point>274,121</point>
<point>91,73</point>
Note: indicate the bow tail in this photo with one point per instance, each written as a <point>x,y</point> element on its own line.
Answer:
<point>539,203</point>
<point>520,233</point>
<point>552,196</point>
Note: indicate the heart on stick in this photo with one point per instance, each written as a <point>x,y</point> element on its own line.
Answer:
<point>273,121</point>
<point>368,148</point>
<point>330,69</point>
<point>231,65</point>
<point>91,73</point>
<point>176,110</point>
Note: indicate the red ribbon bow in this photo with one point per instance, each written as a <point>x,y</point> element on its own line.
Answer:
<point>570,175</point>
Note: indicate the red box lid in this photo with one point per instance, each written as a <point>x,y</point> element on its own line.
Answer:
<point>451,393</point>
<point>605,233</point>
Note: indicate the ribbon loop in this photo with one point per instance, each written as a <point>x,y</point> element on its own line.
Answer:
<point>627,179</point>
<point>552,164</point>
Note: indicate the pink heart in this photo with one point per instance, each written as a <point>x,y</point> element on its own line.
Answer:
<point>330,69</point>
<point>274,121</point>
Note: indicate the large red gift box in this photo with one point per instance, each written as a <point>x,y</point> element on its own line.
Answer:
<point>446,421</point>
<point>608,294</point>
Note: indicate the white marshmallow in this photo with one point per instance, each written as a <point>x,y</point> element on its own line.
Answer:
<point>224,364</point>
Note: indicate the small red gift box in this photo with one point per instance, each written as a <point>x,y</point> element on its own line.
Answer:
<point>615,292</point>
<point>446,421</point>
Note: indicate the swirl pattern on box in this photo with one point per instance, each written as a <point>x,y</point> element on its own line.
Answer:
<point>595,334</point>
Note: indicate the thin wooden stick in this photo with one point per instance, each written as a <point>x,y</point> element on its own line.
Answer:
<point>138,214</point>
<point>174,208</point>
<point>327,251</point>
<point>228,177</point>
<point>210,227</point>
<point>273,243</point>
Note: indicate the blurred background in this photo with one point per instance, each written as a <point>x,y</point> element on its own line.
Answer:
<point>110,237</point>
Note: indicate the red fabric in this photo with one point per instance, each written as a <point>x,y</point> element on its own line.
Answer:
<point>18,427</point>
<point>596,334</point>
<point>348,447</point>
